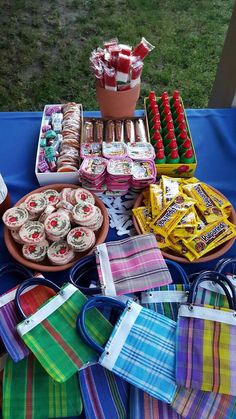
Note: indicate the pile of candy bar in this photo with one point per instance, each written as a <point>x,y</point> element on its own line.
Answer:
<point>118,66</point>
<point>188,217</point>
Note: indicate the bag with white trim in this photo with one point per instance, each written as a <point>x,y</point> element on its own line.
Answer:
<point>51,334</point>
<point>141,347</point>
<point>205,340</point>
<point>163,300</point>
<point>131,265</point>
<point>30,300</point>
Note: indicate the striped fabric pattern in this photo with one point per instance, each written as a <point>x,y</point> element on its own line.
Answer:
<point>147,357</point>
<point>136,264</point>
<point>205,354</point>
<point>30,393</point>
<point>195,404</point>
<point>167,308</point>
<point>147,407</point>
<point>104,394</point>
<point>9,318</point>
<point>215,299</point>
<point>56,343</point>
<point>143,406</point>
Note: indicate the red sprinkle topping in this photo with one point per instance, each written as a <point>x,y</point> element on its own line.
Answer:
<point>77,234</point>
<point>12,219</point>
<point>33,204</point>
<point>35,235</point>
<point>31,248</point>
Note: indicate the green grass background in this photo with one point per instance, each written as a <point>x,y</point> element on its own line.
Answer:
<point>45,47</point>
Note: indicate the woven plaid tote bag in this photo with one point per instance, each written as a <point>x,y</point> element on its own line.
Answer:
<point>141,347</point>
<point>131,265</point>
<point>104,394</point>
<point>163,300</point>
<point>51,335</point>
<point>195,404</point>
<point>210,292</point>
<point>30,393</point>
<point>205,341</point>
<point>9,318</point>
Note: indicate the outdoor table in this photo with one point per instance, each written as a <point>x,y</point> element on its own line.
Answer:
<point>213,133</point>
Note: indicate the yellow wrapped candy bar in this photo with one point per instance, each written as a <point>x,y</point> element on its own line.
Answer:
<point>170,216</point>
<point>210,209</point>
<point>170,188</point>
<point>144,217</point>
<point>209,238</point>
<point>156,198</point>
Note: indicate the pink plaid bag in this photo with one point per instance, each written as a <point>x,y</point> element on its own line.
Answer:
<point>131,265</point>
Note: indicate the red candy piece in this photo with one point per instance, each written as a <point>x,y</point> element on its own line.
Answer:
<point>154,108</point>
<point>157,136</point>
<point>170,135</point>
<point>160,154</point>
<point>156,125</point>
<point>172,144</point>
<point>166,110</point>
<point>178,110</point>
<point>182,126</point>
<point>187,143</point>
<point>176,103</point>
<point>159,145</point>
<point>152,96</point>
<point>183,135</point>
<point>180,118</point>
<point>168,117</point>
<point>174,154</point>
<point>169,126</point>
<point>164,96</point>
<point>156,117</point>
<point>188,154</point>
<point>176,94</point>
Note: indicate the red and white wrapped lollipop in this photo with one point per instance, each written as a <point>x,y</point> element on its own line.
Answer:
<point>135,73</point>
<point>123,67</point>
<point>142,49</point>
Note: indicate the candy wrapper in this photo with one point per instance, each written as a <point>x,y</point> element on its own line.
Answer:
<point>119,66</point>
<point>184,215</point>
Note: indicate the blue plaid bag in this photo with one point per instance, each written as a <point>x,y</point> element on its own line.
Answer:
<point>104,394</point>
<point>141,348</point>
<point>163,300</point>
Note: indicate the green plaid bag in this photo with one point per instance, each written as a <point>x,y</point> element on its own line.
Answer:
<point>30,393</point>
<point>51,335</point>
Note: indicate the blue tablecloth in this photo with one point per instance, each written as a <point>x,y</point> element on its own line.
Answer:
<point>214,137</point>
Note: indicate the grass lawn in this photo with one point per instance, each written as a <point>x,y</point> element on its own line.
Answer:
<point>45,47</point>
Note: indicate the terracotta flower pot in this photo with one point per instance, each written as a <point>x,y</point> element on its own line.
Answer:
<point>120,104</point>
